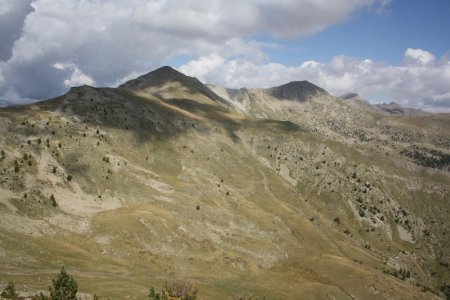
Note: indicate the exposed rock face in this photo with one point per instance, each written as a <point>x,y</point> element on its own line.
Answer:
<point>283,192</point>
<point>297,90</point>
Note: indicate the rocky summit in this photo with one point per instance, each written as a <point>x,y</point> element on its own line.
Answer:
<point>281,193</point>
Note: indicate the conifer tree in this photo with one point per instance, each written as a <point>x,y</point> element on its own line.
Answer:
<point>9,292</point>
<point>64,287</point>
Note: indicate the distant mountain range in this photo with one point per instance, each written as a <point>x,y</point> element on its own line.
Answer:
<point>4,103</point>
<point>390,108</point>
<point>283,193</point>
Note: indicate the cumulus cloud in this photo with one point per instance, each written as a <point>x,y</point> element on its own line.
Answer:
<point>107,40</point>
<point>419,56</point>
<point>419,82</point>
<point>77,77</point>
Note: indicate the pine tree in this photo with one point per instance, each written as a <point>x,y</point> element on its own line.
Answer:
<point>9,292</point>
<point>64,287</point>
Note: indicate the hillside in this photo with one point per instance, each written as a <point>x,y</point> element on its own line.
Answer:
<point>287,193</point>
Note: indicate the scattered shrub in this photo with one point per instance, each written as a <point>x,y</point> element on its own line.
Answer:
<point>41,296</point>
<point>53,200</point>
<point>247,297</point>
<point>177,290</point>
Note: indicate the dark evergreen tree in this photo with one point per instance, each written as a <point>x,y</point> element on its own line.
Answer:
<point>9,292</point>
<point>64,287</point>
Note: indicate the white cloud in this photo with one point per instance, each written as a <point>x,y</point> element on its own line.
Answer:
<point>76,78</point>
<point>422,85</point>
<point>111,39</point>
<point>203,66</point>
<point>419,56</point>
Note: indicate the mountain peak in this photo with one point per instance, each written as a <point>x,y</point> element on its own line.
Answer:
<point>297,90</point>
<point>157,77</point>
<point>350,95</point>
<point>162,79</point>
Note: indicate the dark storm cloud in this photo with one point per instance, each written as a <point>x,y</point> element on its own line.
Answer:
<point>12,18</point>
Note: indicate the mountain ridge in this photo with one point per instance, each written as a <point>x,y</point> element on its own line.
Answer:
<point>391,108</point>
<point>280,198</point>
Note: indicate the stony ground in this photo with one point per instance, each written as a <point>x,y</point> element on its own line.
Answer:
<point>242,193</point>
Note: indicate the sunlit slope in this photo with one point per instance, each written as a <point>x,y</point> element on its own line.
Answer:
<point>152,185</point>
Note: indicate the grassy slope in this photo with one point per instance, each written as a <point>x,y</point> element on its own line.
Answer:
<point>131,222</point>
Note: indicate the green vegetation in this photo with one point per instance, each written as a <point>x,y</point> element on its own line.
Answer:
<point>53,201</point>
<point>402,274</point>
<point>446,290</point>
<point>176,290</point>
<point>427,157</point>
<point>253,177</point>
<point>41,296</point>
<point>64,287</point>
<point>9,292</point>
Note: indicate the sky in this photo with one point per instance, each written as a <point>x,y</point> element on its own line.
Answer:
<point>384,50</point>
